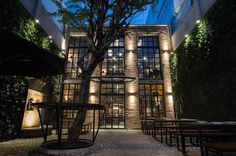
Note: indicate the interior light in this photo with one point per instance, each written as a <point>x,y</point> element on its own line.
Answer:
<point>144,58</point>
<point>109,54</point>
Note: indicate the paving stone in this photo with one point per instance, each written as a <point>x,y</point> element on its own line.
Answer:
<point>108,143</point>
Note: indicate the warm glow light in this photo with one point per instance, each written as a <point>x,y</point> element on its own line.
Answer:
<point>92,88</point>
<point>130,46</point>
<point>92,99</point>
<point>131,90</point>
<point>165,56</point>
<point>31,119</point>
<point>170,98</point>
<point>132,102</point>
<point>36,20</point>
<point>63,44</point>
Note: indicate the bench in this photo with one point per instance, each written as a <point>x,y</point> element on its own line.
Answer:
<point>219,147</point>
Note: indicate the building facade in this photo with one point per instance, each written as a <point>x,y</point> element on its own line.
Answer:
<point>132,82</point>
<point>181,15</point>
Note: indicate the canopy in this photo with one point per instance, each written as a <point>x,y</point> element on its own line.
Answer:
<point>21,57</point>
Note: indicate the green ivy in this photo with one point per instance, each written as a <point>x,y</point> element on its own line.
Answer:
<point>13,89</point>
<point>204,69</point>
<point>12,94</point>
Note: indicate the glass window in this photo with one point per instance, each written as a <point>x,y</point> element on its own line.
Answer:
<point>113,63</point>
<point>149,58</point>
<point>151,100</point>
<point>77,47</point>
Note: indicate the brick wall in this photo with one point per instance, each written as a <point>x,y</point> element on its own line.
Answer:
<point>131,88</point>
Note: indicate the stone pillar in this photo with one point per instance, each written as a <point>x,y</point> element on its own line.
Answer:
<point>165,47</point>
<point>131,88</point>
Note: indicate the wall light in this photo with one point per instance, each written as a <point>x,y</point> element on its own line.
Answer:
<point>93,94</point>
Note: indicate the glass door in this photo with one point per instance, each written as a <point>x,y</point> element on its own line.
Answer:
<point>112,97</point>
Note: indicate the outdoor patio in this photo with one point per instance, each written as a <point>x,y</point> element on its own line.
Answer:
<point>108,143</point>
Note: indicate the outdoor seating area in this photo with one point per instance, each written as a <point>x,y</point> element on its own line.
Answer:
<point>208,137</point>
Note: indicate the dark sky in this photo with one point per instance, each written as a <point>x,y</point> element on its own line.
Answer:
<point>140,19</point>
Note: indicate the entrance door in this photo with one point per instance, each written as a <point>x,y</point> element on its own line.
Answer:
<point>112,97</point>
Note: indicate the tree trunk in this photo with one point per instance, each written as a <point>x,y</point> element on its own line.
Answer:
<point>76,128</point>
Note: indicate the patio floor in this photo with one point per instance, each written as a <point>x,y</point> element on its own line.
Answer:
<point>108,143</point>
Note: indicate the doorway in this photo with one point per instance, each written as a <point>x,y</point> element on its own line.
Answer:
<point>113,98</point>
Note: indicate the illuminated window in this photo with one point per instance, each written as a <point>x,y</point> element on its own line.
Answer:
<point>151,100</point>
<point>77,47</point>
<point>113,63</point>
<point>149,58</point>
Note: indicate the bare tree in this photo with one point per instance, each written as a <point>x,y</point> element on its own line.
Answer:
<point>104,21</point>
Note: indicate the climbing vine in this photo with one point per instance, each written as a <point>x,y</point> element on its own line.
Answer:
<point>204,69</point>
<point>13,89</point>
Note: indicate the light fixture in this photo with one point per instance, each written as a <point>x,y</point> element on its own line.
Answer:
<point>109,54</point>
<point>186,35</point>
<point>198,21</point>
<point>92,94</point>
<point>36,20</point>
<point>50,37</point>
<point>144,58</point>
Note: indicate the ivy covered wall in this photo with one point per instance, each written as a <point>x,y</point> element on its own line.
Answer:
<point>204,67</point>
<point>13,89</point>
<point>13,93</point>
